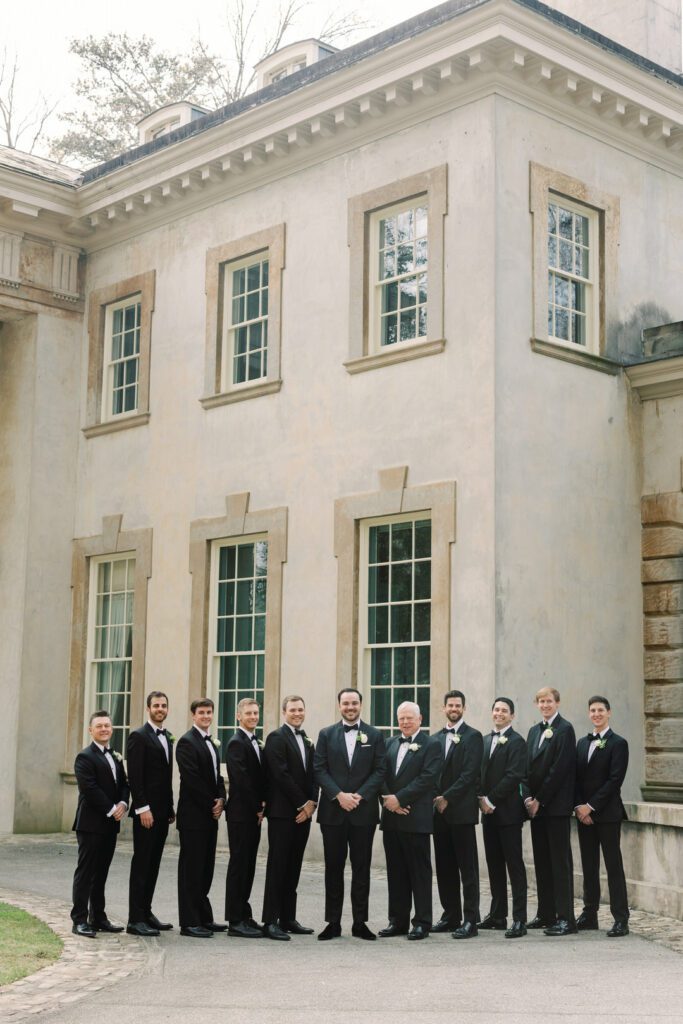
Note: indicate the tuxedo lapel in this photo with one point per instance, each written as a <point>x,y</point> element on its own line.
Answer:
<point>157,742</point>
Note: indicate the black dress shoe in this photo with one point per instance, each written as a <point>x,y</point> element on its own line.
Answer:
<point>539,922</point>
<point>154,922</point>
<point>330,931</point>
<point>392,930</point>
<point>419,932</point>
<point>516,930</point>
<point>252,923</point>
<point>197,932</point>
<point>213,926</point>
<point>361,931</point>
<point>618,929</point>
<point>274,931</point>
<point>467,930</point>
<point>105,926</point>
<point>496,924</point>
<point>142,929</point>
<point>295,928</point>
<point>85,930</point>
<point>444,925</point>
<point>561,927</point>
<point>243,930</point>
<point>586,922</point>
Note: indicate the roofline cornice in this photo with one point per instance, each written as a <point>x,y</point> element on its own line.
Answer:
<point>502,46</point>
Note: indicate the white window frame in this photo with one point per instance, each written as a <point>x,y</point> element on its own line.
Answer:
<point>109,363</point>
<point>364,648</point>
<point>212,654</point>
<point>377,283</point>
<point>230,327</point>
<point>90,703</point>
<point>589,284</point>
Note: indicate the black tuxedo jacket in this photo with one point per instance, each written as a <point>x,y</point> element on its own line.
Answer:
<point>599,781</point>
<point>290,783</point>
<point>334,775</point>
<point>246,779</point>
<point>149,773</point>
<point>502,777</point>
<point>551,771</point>
<point>460,774</point>
<point>199,787</point>
<point>414,784</point>
<point>98,791</point>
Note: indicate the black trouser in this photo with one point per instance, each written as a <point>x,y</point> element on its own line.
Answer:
<point>286,845</point>
<point>409,877</point>
<point>554,867</point>
<point>195,875</point>
<point>243,840</point>
<point>503,848</point>
<point>95,854</point>
<point>605,835</point>
<point>148,847</point>
<point>457,862</point>
<point>357,840</point>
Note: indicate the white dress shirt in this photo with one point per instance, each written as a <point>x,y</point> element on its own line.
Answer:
<point>299,743</point>
<point>254,741</point>
<point>112,764</point>
<point>594,745</point>
<point>494,744</point>
<point>403,750</point>
<point>547,725</point>
<point>212,749</point>
<point>351,738</point>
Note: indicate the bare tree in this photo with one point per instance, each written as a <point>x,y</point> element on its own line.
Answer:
<point>18,129</point>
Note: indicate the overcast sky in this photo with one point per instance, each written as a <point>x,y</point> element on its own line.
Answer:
<point>38,31</point>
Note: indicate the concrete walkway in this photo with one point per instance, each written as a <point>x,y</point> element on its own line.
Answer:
<point>183,981</point>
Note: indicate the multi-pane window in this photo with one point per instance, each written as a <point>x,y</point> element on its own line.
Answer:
<point>572,256</point>
<point>246,320</point>
<point>238,627</point>
<point>111,642</point>
<point>395,624</point>
<point>400,282</point>
<point>121,358</point>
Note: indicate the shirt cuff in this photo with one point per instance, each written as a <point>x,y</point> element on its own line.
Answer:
<point>489,804</point>
<point>112,810</point>
<point>141,810</point>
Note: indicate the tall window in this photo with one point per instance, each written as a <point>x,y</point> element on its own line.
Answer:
<point>572,262</point>
<point>399,293</point>
<point>395,619</point>
<point>122,358</point>
<point>237,640</point>
<point>110,642</point>
<point>246,320</point>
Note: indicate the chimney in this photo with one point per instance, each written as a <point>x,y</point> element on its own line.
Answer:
<point>651,28</point>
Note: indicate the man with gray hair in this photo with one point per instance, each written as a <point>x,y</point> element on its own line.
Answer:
<point>413,766</point>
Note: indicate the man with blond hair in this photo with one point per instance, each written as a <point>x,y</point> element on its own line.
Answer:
<point>549,801</point>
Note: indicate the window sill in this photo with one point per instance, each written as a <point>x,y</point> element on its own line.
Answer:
<point>398,353</point>
<point>111,426</point>
<point>577,356</point>
<point>266,387</point>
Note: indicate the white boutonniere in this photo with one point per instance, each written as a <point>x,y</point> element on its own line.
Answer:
<point>601,744</point>
<point>548,733</point>
<point>170,737</point>
<point>502,739</point>
<point>216,744</point>
<point>260,743</point>
<point>308,741</point>
<point>116,755</point>
<point>362,737</point>
<point>454,737</point>
<point>413,747</point>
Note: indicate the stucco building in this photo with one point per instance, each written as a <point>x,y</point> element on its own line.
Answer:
<point>372,378</point>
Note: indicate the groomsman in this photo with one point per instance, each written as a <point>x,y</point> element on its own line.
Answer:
<point>200,805</point>
<point>292,798</point>
<point>601,763</point>
<point>413,764</point>
<point>349,767</point>
<point>102,802</point>
<point>244,813</point>
<point>149,755</point>
<point>456,812</point>
<point>549,800</point>
<point>502,818</point>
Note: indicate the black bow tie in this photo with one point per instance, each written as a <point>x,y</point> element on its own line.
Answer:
<point>350,728</point>
<point>405,739</point>
<point>494,732</point>
<point>107,750</point>
<point>594,736</point>
<point>450,730</point>
<point>299,732</point>
<point>160,732</point>
<point>208,739</point>
<point>544,725</point>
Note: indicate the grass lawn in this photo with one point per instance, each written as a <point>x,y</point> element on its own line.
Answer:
<point>26,944</point>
